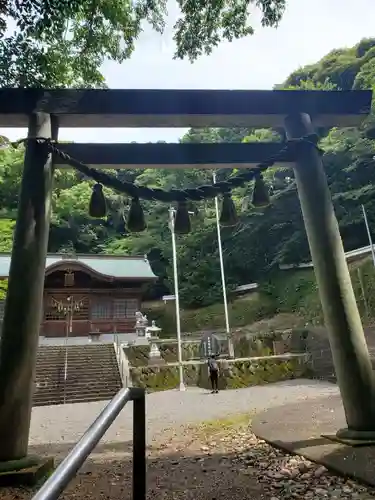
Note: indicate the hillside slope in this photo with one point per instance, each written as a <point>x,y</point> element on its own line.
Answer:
<point>289,300</point>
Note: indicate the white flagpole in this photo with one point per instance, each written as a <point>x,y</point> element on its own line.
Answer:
<point>368,234</point>
<point>177,301</point>
<point>225,301</point>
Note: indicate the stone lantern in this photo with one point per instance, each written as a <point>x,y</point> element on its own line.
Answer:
<point>152,332</point>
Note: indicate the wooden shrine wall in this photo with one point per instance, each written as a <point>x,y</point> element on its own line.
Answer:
<point>92,305</point>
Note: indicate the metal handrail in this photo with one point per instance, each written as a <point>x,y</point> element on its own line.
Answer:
<point>69,467</point>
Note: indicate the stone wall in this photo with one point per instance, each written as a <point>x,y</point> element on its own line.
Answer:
<point>316,345</point>
<point>259,360</point>
<point>139,355</point>
<point>234,374</point>
<point>245,346</point>
<point>312,342</point>
<point>251,345</point>
<point>320,356</point>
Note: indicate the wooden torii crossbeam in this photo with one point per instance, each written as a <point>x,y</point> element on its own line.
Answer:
<point>183,108</point>
<point>43,111</point>
<point>158,155</point>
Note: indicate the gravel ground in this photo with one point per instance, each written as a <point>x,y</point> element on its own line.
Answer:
<point>187,459</point>
<point>66,423</point>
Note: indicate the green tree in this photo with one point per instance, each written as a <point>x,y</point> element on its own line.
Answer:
<point>3,289</point>
<point>257,245</point>
<point>342,68</point>
<point>63,43</point>
<point>6,234</point>
<point>6,240</point>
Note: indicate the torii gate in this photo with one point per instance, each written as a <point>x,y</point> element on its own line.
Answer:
<point>299,112</point>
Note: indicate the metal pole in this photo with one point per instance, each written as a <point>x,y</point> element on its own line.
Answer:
<point>177,301</point>
<point>23,306</point>
<point>55,484</point>
<point>368,234</point>
<point>363,292</point>
<point>227,327</point>
<point>139,447</point>
<point>349,350</point>
<point>69,318</point>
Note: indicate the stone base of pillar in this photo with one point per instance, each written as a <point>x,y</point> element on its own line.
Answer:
<point>352,438</point>
<point>27,471</point>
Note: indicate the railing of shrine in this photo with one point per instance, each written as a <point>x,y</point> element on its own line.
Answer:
<point>123,363</point>
<point>69,467</point>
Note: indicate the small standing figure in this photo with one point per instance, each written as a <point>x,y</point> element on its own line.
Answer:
<point>213,371</point>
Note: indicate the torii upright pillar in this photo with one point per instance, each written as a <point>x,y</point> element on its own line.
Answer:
<point>349,349</point>
<point>21,325</point>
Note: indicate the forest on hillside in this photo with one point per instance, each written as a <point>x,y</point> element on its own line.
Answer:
<point>262,239</point>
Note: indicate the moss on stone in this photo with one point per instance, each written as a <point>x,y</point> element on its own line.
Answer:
<point>246,346</point>
<point>169,351</point>
<point>238,374</point>
<point>137,355</point>
<point>162,378</point>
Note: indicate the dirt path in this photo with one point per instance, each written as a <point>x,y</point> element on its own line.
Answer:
<point>181,464</point>
<point>218,460</point>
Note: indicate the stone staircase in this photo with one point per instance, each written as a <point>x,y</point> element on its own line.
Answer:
<point>92,374</point>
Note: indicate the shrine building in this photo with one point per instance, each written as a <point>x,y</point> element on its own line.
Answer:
<point>89,296</point>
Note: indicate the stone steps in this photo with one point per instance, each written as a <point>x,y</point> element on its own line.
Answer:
<point>93,374</point>
<point>58,398</point>
<point>55,395</point>
<point>84,366</point>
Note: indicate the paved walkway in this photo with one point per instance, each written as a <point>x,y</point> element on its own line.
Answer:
<point>64,425</point>
<point>298,428</point>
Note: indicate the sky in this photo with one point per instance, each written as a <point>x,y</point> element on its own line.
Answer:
<point>308,31</point>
